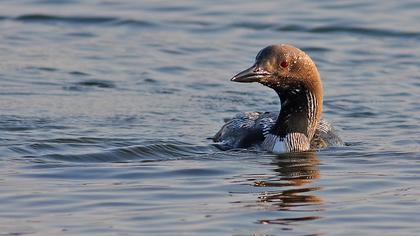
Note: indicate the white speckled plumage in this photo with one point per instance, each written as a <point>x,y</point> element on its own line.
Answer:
<point>249,125</point>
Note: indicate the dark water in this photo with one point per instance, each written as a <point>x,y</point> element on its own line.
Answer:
<point>106,108</point>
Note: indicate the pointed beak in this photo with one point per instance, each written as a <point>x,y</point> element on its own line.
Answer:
<point>252,74</point>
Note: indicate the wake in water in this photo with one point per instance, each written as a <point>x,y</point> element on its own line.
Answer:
<point>77,150</point>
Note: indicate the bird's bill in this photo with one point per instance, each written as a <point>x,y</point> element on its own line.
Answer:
<point>252,74</point>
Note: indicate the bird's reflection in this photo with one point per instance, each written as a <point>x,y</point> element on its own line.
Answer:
<point>292,188</point>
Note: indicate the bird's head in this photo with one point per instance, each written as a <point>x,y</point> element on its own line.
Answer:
<point>283,68</point>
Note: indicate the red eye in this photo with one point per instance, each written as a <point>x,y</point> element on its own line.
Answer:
<point>284,64</point>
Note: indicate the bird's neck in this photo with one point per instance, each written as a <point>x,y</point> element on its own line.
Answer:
<point>300,112</point>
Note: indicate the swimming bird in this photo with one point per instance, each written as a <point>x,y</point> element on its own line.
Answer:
<point>298,126</point>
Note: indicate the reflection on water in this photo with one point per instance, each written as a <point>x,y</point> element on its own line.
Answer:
<point>292,188</point>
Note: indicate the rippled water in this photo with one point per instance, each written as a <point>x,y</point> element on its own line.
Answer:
<point>106,108</point>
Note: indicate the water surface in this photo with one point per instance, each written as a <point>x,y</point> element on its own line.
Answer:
<point>106,108</point>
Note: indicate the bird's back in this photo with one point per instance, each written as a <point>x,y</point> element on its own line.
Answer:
<point>250,129</point>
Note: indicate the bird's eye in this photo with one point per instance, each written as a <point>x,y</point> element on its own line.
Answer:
<point>284,64</point>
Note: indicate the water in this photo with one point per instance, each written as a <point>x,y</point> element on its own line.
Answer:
<point>106,108</point>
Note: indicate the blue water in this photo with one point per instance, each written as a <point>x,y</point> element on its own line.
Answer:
<point>106,108</point>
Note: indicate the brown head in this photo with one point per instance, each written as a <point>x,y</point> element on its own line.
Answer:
<point>294,76</point>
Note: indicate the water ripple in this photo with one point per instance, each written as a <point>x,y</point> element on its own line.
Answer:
<point>365,31</point>
<point>88,84</point>
<point>150,152</point>
<point>40,18</point>
<point>66,19</point>
<point>253,25</point>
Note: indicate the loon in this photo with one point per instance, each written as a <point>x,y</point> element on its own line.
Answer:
<point>298,126</point>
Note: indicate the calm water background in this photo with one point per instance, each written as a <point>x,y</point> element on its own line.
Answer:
<point>106,108</point>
